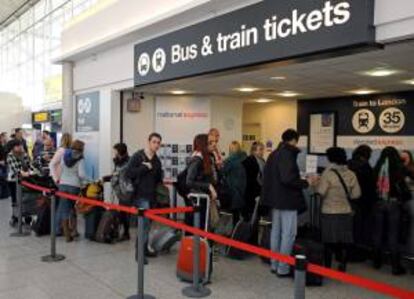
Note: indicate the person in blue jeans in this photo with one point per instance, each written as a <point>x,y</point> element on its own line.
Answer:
<point>283,194</point>
<point>145,171</point>
<point>71,179</point>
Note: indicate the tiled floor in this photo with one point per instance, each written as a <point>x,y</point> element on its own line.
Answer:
<point>108,271</point>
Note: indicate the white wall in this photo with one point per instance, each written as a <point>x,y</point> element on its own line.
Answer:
<point>12,115</point>
<point>274,118</point>
<point>226,115</point>
<point>123,21</point>
<point>137,126</point>
<point>394,20</point>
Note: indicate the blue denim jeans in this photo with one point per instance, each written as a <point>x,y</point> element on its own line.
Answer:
<point>65,206</point>
<point>284,230</point>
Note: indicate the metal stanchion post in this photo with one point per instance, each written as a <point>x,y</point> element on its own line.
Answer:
<point>174,202</point>
<point>19,201</point>
<point>141,258</point>
<point>197,289</point>
<point>53,257</point>
<point>300,276</point>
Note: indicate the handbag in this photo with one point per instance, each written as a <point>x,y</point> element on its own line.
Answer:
<point>93,191</point>
<point>348,195</point>
<point>214,214</point>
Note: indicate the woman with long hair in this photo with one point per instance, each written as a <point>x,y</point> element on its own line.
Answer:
<point>392,192</point>
<point>235,176</point>
<point>201,173</point>
<point>71,178</point>
<point>55,164</point>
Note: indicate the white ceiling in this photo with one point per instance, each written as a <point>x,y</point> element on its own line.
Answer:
<point>315,79</point>
<point>8,7</point>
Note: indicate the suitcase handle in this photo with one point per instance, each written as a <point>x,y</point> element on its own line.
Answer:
<point>198,197</point>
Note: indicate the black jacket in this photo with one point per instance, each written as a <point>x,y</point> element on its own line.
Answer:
<point>253,188</point>
<point>145,179</point>
<point>366,179</point>
<point>197,180</point>
<point>283,186</point>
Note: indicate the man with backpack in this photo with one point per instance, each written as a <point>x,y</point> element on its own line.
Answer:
<point>144,171</point>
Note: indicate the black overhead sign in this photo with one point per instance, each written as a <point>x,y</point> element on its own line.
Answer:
<point>268,31</point>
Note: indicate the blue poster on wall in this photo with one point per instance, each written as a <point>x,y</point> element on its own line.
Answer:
<point>87,130</point>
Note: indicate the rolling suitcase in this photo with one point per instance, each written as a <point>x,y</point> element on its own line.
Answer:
<point>309,243</point>
<point>243,232</point>
<point>185,254</point>
<point>164,238</point>
<point>92,220</point>
<point>41,226</point>
<point>264,240</point>
<point>108,228</point>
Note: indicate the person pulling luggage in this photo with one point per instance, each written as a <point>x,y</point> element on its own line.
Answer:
<point>144,170</point>
<point>120,160</point>
<point>18,163</point>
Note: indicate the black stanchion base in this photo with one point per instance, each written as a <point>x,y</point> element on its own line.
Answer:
<point>53,258</point>
<point>145,296</point>
<point>199,292</point>
<point>22,234</point>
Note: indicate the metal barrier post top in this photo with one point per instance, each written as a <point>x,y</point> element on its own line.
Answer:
<point>300,276</point>
<point>53,257</point>
<point>19,202</point>
<point>141,258</point>
<point>197,289</point>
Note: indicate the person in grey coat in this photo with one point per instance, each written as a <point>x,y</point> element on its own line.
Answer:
<point>283,194</point>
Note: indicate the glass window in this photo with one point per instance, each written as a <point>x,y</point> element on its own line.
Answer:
<point>27,47</point>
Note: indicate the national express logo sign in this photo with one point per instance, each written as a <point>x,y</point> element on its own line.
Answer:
<point>264,32</point>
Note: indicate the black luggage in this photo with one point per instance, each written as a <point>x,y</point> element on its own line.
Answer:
<point>41,226</point>
<point>164,238</point>
<point>243,232</point>
<point>314,252</point>
<point>264,240</point>
<point>308,241</point>
<point>108,228</point>
<point>92,220</point>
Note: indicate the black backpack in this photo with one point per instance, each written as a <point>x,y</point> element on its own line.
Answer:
<point>181,184</point>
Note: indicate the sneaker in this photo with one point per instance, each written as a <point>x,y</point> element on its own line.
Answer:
<point>150,252</point>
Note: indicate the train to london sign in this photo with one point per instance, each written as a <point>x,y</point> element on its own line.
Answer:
<point>264,32</point>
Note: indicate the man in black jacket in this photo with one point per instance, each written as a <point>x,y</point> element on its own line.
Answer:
<point>283,193</point>
<point>145,171</point>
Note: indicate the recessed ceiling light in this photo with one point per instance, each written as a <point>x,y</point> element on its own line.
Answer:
<point>288,94</point>
<point>411,82</point>
<point>247,89</point>
<point>381,72</point>
<point>178,92</point>
<point>362,92</point>
<point>263,101</point>
<point>279,78</point>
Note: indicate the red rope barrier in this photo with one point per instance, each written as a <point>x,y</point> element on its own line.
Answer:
<point>36,187</point>
<point>362,282</point>
<point>94,202</point>
<point>179,210</point>
<point>369,284</point>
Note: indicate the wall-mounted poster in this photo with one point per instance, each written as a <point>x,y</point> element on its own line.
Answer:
<point>87,112</point>
<point>322,132</point>
<point>174,159</point>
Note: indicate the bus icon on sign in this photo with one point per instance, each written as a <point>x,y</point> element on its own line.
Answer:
<point>144,64</point>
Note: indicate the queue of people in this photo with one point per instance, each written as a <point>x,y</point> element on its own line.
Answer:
<point>360,204</point>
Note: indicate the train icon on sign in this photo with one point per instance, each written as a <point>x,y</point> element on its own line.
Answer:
<point>157,62</point>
